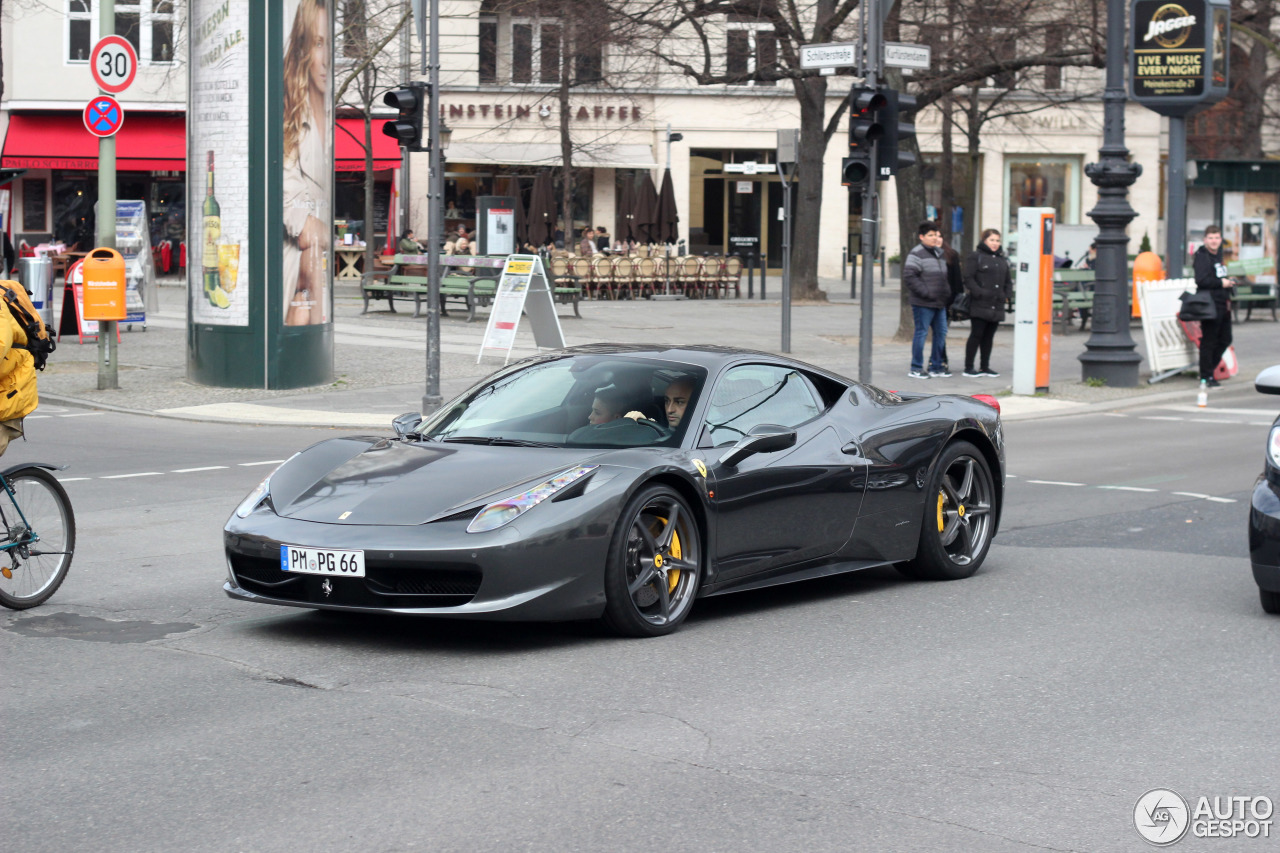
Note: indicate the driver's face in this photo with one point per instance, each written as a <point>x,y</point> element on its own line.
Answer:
<point>675,401</point>
<point>600,413</point>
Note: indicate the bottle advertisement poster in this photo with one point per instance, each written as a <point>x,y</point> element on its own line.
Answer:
<point>218,163</point>
<point>307,114</point>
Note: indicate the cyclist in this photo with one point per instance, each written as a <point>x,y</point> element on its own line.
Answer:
<point>18,397</point>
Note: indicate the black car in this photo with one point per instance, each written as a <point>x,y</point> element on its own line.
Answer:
<point>1264,509</point>
<point>624,482</point>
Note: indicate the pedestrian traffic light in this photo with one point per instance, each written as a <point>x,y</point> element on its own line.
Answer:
<point>406,128</point>
<point>893,157</point>
<point>864,129</point>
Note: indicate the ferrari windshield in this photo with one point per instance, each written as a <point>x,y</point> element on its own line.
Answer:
<point>576,401</point>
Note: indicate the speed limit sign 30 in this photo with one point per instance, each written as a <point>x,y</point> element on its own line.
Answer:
<point>114,63</point>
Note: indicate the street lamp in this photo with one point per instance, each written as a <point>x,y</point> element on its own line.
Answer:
<point>1110,353</point>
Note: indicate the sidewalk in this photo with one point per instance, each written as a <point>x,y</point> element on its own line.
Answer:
<point>380,358</point>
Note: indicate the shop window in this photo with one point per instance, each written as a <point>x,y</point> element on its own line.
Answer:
<point>148,25</point>
<point>34,204</point>
<point>749,49</point>
<point>488,49</point>
<point>79,30</point>
<point>1043,182</point>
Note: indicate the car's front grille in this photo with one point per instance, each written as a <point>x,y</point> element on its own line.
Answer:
<point>401,580</point>
<point>387,583</point>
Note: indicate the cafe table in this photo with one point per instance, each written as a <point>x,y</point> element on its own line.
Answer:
<point>348,260</point>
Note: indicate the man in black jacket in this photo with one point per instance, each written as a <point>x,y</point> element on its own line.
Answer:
<point>1211,277</point>
<point>924,274</point>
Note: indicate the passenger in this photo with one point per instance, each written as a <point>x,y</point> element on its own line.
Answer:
<point>676,399</point>
<point>607,406</point>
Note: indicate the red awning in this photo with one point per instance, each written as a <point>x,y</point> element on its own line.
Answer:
<point>147,142</point>
<point>155,142</point>
<point>348,146</point>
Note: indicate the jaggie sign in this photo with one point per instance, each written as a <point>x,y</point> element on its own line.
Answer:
<point>1180,54</point>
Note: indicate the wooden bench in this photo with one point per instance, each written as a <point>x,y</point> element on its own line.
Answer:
<point>472,291</point>
<point>1249,296</point>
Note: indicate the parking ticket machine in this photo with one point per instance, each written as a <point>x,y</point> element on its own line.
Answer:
<point>1033,315</point>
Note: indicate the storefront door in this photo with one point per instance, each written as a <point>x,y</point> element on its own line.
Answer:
<point>742,209</point>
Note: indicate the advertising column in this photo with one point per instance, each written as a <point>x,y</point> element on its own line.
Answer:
<point>260,183</point>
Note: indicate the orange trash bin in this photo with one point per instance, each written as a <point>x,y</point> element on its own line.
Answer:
<point>103,272</point>
<point>1146,267</point>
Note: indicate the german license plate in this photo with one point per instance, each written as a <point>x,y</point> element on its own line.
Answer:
<point>321,561</point>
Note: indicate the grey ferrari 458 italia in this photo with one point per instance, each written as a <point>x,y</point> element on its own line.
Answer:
<point>623,483</point>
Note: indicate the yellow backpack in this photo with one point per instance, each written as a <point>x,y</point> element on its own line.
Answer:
<point>39,342</point>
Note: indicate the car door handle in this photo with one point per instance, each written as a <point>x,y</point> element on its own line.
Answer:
<point>851,449</point>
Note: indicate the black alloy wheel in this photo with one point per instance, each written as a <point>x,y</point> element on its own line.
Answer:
<point>655,565</point>
<point>958,516</point>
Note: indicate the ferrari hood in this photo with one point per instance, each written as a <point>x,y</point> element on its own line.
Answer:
<point>379,481</point>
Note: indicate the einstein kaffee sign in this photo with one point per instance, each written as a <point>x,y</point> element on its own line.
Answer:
<point>1179,54</point>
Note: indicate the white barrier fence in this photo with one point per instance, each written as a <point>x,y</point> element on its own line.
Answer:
<point>1168,349</point>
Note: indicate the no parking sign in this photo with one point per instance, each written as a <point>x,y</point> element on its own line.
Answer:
<point>103,116</point>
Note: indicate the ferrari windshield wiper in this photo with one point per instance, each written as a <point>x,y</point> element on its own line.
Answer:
<point>497,440</point>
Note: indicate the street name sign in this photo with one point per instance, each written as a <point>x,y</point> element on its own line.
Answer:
<point>898,55</point>
<point>114,64</point>
<point>833,55</point>
<point>103,116</point>
<point>751,167</point>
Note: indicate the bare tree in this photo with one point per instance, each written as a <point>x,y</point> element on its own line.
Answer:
<point>366,30</point>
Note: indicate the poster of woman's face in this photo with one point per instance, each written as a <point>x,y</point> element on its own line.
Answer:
<point>308,162</point>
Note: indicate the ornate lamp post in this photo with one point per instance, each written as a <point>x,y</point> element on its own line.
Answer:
<point>1110,353</point>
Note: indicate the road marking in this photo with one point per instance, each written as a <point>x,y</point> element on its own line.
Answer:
<point>127,476</point>
<point>1223,411</point>
<point>1192,495</point>
<point>72,479</point>
<point>1213,421</point>
<point>193,470</point>
<point>268,462</point>
<point>1161,418</point>
<point>1054,483</point>
<point>1260,423</point>
<point>1221,500</point>
<point>82,415</point>
<point>1128,489</point>
<point>1114,415</point>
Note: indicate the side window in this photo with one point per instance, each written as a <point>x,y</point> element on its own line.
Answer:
<point>756,394</point>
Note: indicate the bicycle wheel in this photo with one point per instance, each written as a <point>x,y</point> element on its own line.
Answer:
<point>39,538</point>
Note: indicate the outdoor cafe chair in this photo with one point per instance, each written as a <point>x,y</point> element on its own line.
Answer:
<point>731,275</point>
<point>689,276</point>
<point>709,275</point>
<point>602,276</point>
<point>646,276</point>
<point>624,273</point>
<point>580,268</point>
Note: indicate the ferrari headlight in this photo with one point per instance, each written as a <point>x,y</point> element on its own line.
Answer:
<point>256,497</point>
<point>1273,448</point>
<point>260,492</point>
<point>500,512</point>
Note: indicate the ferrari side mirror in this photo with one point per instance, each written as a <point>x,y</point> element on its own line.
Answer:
<point>406,423</point>
<point>758,442</point>
<point>1268,381</point>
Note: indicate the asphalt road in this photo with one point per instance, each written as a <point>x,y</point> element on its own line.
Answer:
<point>1112,643</point>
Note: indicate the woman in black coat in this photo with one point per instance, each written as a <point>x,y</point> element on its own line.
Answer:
<point>988,279</point>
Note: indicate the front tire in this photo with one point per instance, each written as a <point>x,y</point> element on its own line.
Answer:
<point>958,518</point>
<point>654,566</point>
<point>41,539</point>
<point>1270,600</point>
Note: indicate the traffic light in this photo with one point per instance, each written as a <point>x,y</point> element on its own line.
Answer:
<point>406,128</point>
<point>864,129</point>
<point>896,132</point>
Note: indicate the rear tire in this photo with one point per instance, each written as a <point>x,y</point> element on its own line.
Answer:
<point>654,566</point>
<point>35,568</point>
<point>959,516</point>
<point>1270,600</point>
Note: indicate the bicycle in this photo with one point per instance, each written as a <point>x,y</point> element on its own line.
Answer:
<point>37,535</point>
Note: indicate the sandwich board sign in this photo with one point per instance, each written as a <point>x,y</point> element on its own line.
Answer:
<point>522,289</point>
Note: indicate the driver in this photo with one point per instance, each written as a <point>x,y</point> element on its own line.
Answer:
<point>676,399</point>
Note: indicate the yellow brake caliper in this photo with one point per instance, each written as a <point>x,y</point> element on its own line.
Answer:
<point>942,498</point>
<point>673,575</point>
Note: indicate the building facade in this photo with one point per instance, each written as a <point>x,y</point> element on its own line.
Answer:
<point>509,74</point>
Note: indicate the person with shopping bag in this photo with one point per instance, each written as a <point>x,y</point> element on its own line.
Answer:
<point>1211,277</point>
